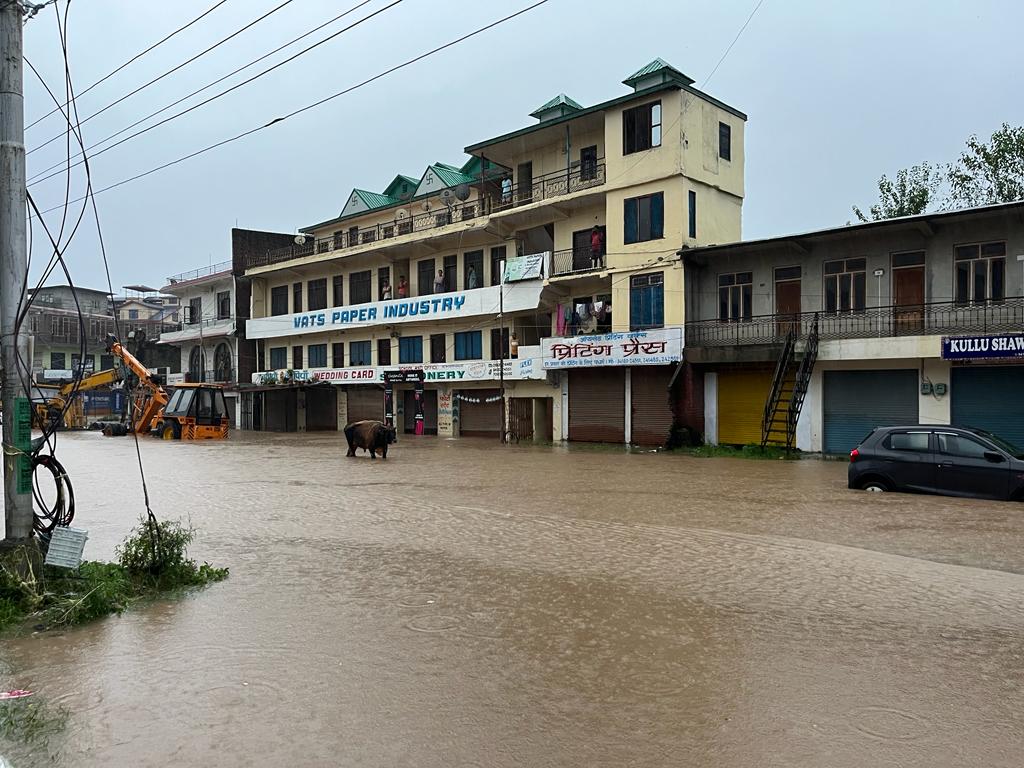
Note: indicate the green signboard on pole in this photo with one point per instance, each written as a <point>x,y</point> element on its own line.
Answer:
<point>23,442</point>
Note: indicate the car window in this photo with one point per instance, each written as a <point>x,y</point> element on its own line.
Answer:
<point>907,441</point>
<point>1006,445</point>
<point>959,445</point>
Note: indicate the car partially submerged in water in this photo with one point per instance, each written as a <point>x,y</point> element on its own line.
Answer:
<point>953,461</point>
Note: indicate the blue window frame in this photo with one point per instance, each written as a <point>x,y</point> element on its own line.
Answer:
<point>317,355</point>
<point>410,349</point>
<point>647,301</point>
<point>278,358</point>
<point>469,345</point>
<point>359,353</point>
<point>644,218</point>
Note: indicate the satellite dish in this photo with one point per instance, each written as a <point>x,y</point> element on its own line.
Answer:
<point>448,197</point>
<point>462,192</point>
<point>401,214</point>
<point>300,239</point>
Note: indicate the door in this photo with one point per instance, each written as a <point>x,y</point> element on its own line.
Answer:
<point>787,300</point>
<point>480,413</point>
<point>651,414</point>
<point>429,411</point>
<point>597,405</point>
<point>524,182</point>
<point>976,391</point>
<point>964,470</point>
<point>520,418</point>
<point>581,260</point>
<point>858,401</point>
<point>741,399</point>
<point>909,460</point>
<point>908,291</point>
<point>364,403</point>
<point>588,165</point>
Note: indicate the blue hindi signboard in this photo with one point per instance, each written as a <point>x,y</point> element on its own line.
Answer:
<point>981,347</point>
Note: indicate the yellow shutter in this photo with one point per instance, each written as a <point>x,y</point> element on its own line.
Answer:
<point>741,399</point>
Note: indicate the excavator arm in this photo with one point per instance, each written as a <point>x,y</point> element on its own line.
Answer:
<point>148,408</point>
<point>74,416</point>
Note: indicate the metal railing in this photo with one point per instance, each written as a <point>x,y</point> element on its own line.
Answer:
<point>575,260</point>
<point>195,274</point>
<point>217,376</point>
<point>935,318</point>
<point>206,322</point>
<point>496,198</point>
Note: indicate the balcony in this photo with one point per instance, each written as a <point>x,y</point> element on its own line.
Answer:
<point>219,376</point>
<point>575,261</point>
<point>208,328</point>
<point>198,274</point>
<point>934,319</point>
<point>549,186</point>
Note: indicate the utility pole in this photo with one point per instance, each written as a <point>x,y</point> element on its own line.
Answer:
<point>17,478</point>
<point>501,346</point>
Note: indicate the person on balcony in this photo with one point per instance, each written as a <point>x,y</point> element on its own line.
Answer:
<point>506,190</point>
<point>439,282</point>
<point>596,247</point>
<point>403,288</point>
<point>471,278</point>
<point>385,292</point>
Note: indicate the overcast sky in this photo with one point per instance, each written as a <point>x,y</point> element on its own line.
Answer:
<point>836,94</point>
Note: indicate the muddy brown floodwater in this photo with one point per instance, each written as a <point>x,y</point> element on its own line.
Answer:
<point>464,604</point>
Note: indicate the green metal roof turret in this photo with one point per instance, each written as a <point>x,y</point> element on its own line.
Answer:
<point>559,106</point>
<point>657,72</point>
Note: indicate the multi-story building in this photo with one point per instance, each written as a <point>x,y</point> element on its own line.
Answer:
<point>603,196</point>
<point>56,331</point>
<point>142,315</point>
<point>910,320</point>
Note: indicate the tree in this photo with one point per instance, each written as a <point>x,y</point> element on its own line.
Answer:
<point>908,194</point>
<point>991,172</point>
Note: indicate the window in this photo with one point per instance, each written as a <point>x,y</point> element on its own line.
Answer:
<point>223,305</point>
<point>473,263</point>
<point>297,297</point>
<point>451,266</point>
<point>297,356</point>
<point>317,355</point>
<point>844,285</point>
<point>425,277</point>
<point>278,358</point>
<point>57,361</point>
<point>359,353</point>
<point>647,301</point>
<point>499,344</point>
<point>735,296</point>
<point>960,445</point>
<point>133,314</point>
<point>317,294</point>
<point>106,362</point>
<point>353,237</point>
<point>410,349</point>
<point>338,291</point>
<point>469,345</point>
<point>645,218</point>
<point>725,141</point>
<point>908,259</point>
<point>907,441</point>
<point>437,348</point>
<point>279,300</point>
<point>691,197</point>
<point>338,355</point>
<point>383,278</point>
<point>641,128</point>
<point>360,288</point>
<point>588,163</point>
<point>497,259</point>
<point>195,310</point>
<point>980,272</point>
<point>383,351</point>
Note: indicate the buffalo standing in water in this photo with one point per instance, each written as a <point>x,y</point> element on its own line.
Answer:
<point>371,436</point>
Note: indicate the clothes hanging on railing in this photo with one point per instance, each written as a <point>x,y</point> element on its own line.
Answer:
<point>560,320</point>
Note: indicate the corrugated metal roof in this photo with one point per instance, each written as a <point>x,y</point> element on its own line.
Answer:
<point>397,183</point>
<point>561,100</point>
<point>375,199</point>
<point>451,175</point>
<point>655,66</point>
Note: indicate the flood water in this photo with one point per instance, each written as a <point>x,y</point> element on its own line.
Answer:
<point>465,604</point>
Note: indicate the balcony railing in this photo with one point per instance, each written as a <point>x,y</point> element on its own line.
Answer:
<point>218,376</point>
<point>574,261</point>
<point>496,198</point>
<point>195,274</point>
<point>201,325</point>
<point>936,318</point>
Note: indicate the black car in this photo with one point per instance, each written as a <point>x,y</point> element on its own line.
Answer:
<point>953,461</point>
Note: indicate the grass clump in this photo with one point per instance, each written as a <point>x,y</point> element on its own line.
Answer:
<point>152,562</point>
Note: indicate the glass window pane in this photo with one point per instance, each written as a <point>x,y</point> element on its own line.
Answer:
<point>844,291</point>
<point>998,279</point>
<point>656,136</point>
<point>833,267</point>
<point>748,296</point>
<point>723,303</point>
<point>746,277</point>
<point>966,252</point>
<point>993,249</point>
<point>831,294</point>
<point>726,279</point>
<point>859,298</point>
<point>979,280</point>
<point>854,265</point>
<point>644,214</point>
<point>734,302</point>
<point>656,114</point>
<point>963,271</point>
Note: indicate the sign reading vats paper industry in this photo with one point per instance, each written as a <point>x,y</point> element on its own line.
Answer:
<point>657,347</point>
<point>980,347</point>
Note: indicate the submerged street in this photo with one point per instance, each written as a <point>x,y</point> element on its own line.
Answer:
<point>464,604</point>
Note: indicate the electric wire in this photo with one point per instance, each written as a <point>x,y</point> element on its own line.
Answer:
<point>313,105</point>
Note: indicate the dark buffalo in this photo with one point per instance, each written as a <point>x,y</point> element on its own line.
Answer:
<point>371,436</point>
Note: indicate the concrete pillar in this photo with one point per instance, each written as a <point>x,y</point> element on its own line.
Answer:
<point>300,408</point>
<point>933,408</point>
<point>342,405</point>
<point>445,412</point>
<point>711,408</point>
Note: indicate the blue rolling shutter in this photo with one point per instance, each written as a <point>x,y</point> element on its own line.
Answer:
<point>858,401</point>
<point>988,398</point>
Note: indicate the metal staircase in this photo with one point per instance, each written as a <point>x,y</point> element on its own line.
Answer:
<point>789,388</point>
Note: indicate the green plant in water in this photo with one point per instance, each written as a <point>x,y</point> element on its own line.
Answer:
<point>31,721</point>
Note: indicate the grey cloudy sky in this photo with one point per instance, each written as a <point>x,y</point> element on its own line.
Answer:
<point>837,93</point>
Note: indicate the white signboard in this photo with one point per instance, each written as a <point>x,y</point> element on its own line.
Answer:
<point>439,306</point>
<point>525,267</point>
<point>526,366</point>
<point>657,347</point>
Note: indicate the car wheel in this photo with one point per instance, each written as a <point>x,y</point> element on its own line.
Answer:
<point>875,486</point>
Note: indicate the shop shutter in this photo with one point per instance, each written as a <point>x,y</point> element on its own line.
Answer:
<point>480,419</point>
<point>858,401</point>
<point>741,399</point>
<point>321,408</point>
<point>978,394</point>
<point>365,403</point>
<point>652,414</point>
<point>597,405</point>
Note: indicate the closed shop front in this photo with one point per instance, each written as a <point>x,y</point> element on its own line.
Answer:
<point>858,401</point>
<point>988,397</point>
<point>365,403</point>
<point>741,399</point>
<point>597,411</point>
<point>429,411</point>
<point>281,410</point>
<point>651,414</point>
<point>481,419</point>
<point>321,408</point>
